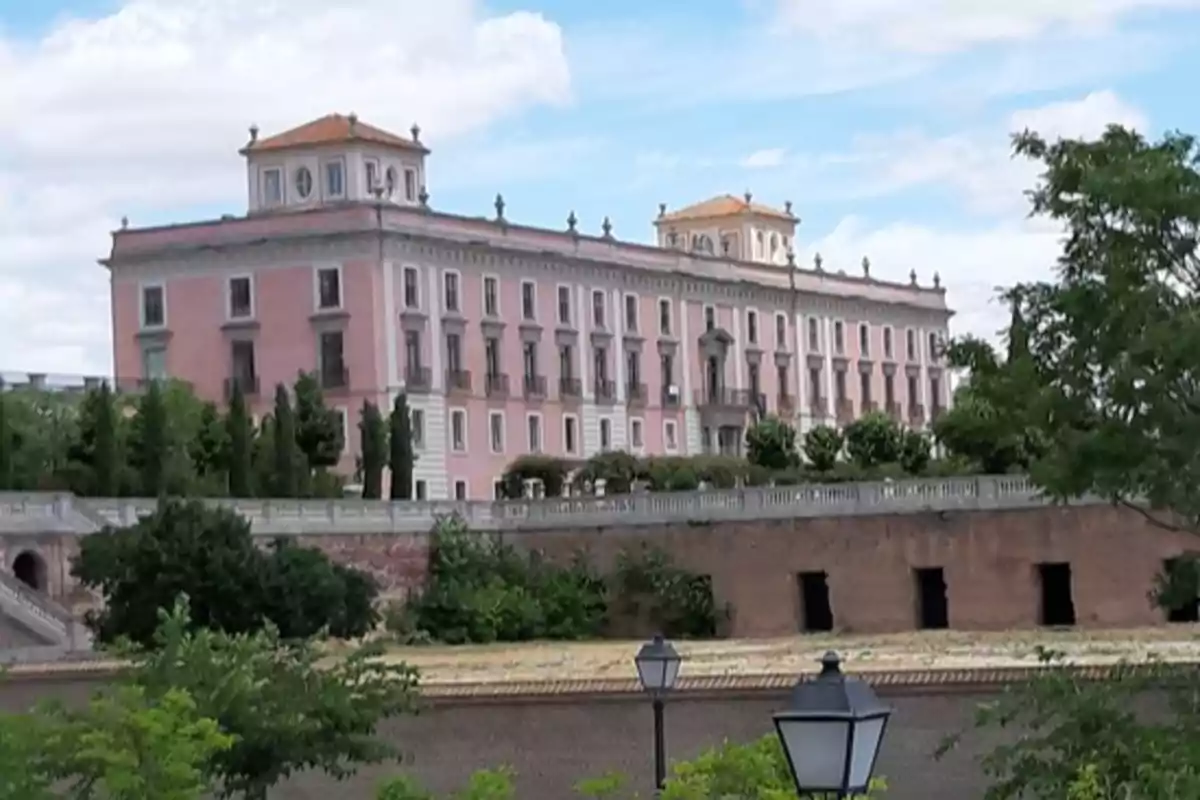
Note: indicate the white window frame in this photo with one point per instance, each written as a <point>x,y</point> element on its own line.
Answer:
<point>781,344</point>
<point>600,426</point>
<point>833,348</point>
<point>466,492</point>
<point>492,417</point>
<point>569,322</point>
<point>325,165</point>
<point>670,441</point>
<point>637,313</point>
<point>637,423</point>
<point>229,315</point>
<point>889,334</point>
<point>411,191</point>
<point>532,283</point>
<point>142,287</point>
<point>466,431</point>
<point>810,322</point>
<point>417,431</point>
<point>864,327</point>
<point>459,280</point>
<point>753,312</point>
<point>574,451</point>
<point>487,276</point>
<point>420,487</point>
<point>316,281</point>
<point>369,162</point>
<point>603,324</point>
<point>345,412</point>
<point>262,187</point>
<point>911,354</point>
<point>704,317</point>
<point>407,268</point>
<point>541,429</point>
<point>670,316</point>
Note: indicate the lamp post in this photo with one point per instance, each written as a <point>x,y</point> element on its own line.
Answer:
<point>657,665</point>
<point>832,732</point>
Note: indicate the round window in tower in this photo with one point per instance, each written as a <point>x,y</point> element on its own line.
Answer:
<point>304,183</point>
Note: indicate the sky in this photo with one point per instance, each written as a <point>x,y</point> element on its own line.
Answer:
<point>885,122</point>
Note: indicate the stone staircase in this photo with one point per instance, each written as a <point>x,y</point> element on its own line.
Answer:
<point>34,627</point>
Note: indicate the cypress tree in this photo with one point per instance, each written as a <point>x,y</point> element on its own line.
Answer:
<point>402,457</point>
<point>241,442</point>
<point>150,445</point>
<point>286,483</point>
<point>7,447</point>
<point>106,456</point>
<point>373,446</point>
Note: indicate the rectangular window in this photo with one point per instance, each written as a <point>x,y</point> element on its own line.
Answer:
<point>710,318</point>
<point>935,350</point>
<point>154,363</point>
<point>666,363</point>
<point>633,367</point>
<point>272,187</point>
<point>416,420</point>
<point>752,326</point>
<point>491,296</point>
<point>410,185</point>
<point>605,434</point>
<point>670,433</point>
<point>491,355</point>
<point>241,298</point>
<point>450,300</point>
<point>335,179</point>
<point>460,489</point>
<point>887,343</point>
<point>839,338</point>
<point>498,490</point>
<point>889,390</point>
<point>529,361</point>
<point>814,336</point>
<point>912,391</point>
<point>598,308</point>
<point>535,433</point>
<point>332,367</point>
<point>864,387</point>
<point>864,340</point>
<point>458,430</point>
<point>372,169</point>
<point>528,301</point>
<point>566,362</point>
<point>780,332</point>
<point>664,317</point>
<point>564,305</point>
<point>329,288</point>
<point>412,290</point>
<point>454,360</point>
<point>814,386</point>
<point>910,345</point>
<point>600,364</point>
<point>412,353</point>
<point>839,385</point>
<point>496,430</point>
<point>935,393</point>
<point>635,434</point>
<point>154,306</point>
<point>631,313</point>
<point>570,434</point>
<point>242,368</point>
<point>422,490</point>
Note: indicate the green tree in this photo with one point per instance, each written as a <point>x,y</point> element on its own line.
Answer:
<point>823,447</point>
<point>239,436</point>
<point>263,458</point>
<point>771,444</point>
<point>288,705</point>
<point>319,432</point>
<point>209,450</point>
<point>373,445</point>
<point>402,458</point>
<point>95,456</point>
<point>915,451</point>
<point>872,440</point>
<point>8,445</point>
<point>285,457</point>
<point>150,442</point>
<point>307,594</point>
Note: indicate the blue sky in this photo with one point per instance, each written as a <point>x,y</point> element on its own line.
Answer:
<point>885,122</point>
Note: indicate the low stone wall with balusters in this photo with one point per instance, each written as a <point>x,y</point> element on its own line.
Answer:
<point>987,534</point>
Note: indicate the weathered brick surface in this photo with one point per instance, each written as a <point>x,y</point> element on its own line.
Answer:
<point>989,560</point>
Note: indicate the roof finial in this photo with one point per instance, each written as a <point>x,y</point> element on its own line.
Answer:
<point>572,221</point>
<point>423,197</point>
<point>791,258</point>
<point>748,197</point>
<point>353,123</point>
<point>124,223</point>
<point>499,206</point>
<point>253,134</point>
<point>606,227</point>
<point>912,277</point>
<point>818,262</point>
<point>662,210</point>
<point>937,281</point>
<point>866,265</point>
<point>415,130</point>
<point>787,207</point>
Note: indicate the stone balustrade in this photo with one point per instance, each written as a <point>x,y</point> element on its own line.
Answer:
<point>64,513</point>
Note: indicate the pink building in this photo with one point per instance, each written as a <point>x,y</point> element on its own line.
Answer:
<point>510,339</point>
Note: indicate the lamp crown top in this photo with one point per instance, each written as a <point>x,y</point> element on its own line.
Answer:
<point>830,663</point>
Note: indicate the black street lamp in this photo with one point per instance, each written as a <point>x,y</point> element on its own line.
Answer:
<point>657,667</point>
<point>832,732</point>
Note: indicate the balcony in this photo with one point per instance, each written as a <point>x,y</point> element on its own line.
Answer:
<point>535,387</point>
<point>247,383</point>
<point>418,379</point>
<point>670,396</point>
<point>606,391</point>
<point>458,381</point>
<point>334,377</point>
<point>818,406</point>
<point>785,403</point>
<point>570,388</point>
<point>893,410</point>
<point>843,408</point>
<point>635,394</point>
<point>869,406</point>
<point>495,384</point>
<point>916,413</point>
<point>726,398</point>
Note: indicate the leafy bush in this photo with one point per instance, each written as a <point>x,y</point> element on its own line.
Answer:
<point>823,447</point>
<point>483,590</point>
<point>873,440</point>
<point>771,444</point>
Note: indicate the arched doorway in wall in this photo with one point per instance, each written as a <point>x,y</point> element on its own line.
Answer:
<point>30,569</point>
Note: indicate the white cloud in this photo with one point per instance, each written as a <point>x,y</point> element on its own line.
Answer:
<point>937,27</point>
<point>145,108</point>
<point>761,159</point>
<point>972,260</point>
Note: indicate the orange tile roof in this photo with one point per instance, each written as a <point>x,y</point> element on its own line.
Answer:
<point>331,129</point>
<point>725,205</point>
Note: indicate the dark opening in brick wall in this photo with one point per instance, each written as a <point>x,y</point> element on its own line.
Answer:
<point>816,613</point>
<point>933,606</point>
<point>1058,603</point>
<point>1187,611</point>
